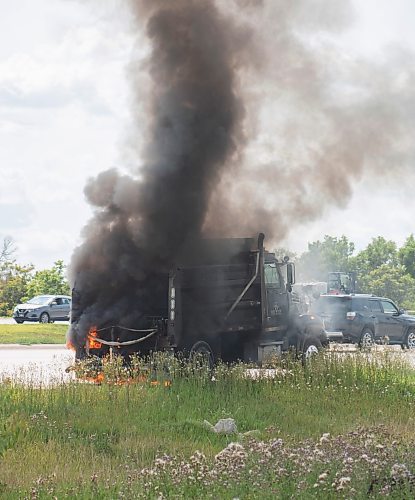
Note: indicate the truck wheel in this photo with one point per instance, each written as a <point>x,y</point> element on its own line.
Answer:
<point>410,340</point>
<point>203,353</point>
<point>80,354</point>
<point>311,346</point>
<point>19,321</point>
<point>366,339</point>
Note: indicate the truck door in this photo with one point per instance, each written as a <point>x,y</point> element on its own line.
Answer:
<point>391,324</point>
<point>277,299</point>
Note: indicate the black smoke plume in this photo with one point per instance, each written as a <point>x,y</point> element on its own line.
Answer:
<point>194,127</point>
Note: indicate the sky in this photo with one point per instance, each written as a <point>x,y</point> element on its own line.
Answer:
<point>64,117</point>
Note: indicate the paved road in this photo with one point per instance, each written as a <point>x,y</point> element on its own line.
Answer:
<point>36,364</point>
<point>10,321</point>
<point>7,321</point>
<point>392,351</point>
<point>45,364</point>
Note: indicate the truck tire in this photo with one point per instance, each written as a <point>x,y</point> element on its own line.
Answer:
<point>202,350</point>
<point>366,340</point>
<point>310,347</point>
<point>80,354</point>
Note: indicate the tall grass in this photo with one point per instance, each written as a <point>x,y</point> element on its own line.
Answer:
<point>109,440</point>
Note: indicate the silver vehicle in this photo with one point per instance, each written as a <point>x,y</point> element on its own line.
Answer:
<point>44,309</point>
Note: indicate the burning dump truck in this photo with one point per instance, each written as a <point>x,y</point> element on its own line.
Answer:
<point>227,299</point>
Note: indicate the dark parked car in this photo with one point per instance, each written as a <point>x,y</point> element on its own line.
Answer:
<point>365,319</point>
<point>43,308</point>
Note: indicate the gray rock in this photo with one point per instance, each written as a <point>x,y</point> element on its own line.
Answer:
<point>223,426</point>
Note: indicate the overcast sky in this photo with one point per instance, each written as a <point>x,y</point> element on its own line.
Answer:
<point>64,116</point>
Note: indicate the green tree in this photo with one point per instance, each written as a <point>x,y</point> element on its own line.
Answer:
<point>406,255</point>
<point>7,251</point>
<point>49,281</point>
<point>282,252</point>
<point>13,286</point>
<point>331,254</point>
<point>13,278</point>
<point>392,282</point>
<point>379,252</point>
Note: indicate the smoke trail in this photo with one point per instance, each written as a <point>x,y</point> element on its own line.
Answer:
<point>195,118</point>
<point>324,121</point>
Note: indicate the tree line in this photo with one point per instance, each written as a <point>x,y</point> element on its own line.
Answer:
<point>19,283</point>
<point>382,268</point>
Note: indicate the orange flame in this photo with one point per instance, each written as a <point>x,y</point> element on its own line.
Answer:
<point>100,377</point>
<point>69,345</point>
<point>94,380</point>
<point>92,343</point>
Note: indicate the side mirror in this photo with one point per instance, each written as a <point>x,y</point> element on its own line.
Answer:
<point>53,303</point>
<point>401,311</point>
<point>290,273</point>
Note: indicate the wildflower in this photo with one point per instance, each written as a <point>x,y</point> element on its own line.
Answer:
<point>322,477</point>
<point>400,471</point>
<point>342,483</point>
<point>325,438</point>
<point>197,457</point>
<point>159,462</point>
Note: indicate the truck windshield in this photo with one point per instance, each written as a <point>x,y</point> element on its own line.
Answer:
<point>272,277</point>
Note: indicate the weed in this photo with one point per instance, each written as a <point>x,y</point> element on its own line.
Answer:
<point>339,426</point>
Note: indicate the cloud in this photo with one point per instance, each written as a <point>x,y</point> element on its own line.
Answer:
<point>63,106</point>
<point>70,71</point>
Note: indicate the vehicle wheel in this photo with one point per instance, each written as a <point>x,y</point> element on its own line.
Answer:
<point>310,348</point>
<point>202,353</point>
<point>44,318</point>
<point>410,340</point>
<point>366,339</point>
<point>19,321</point>
<point>80,354</point>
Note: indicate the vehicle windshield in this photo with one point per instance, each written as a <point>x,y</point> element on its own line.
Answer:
<point>40,300</point>
<point>331,305</point>
<point>272,278</point>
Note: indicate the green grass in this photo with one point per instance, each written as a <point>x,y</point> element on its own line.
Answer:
<point>33,333</point>
<point>87,441</point>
